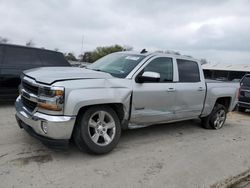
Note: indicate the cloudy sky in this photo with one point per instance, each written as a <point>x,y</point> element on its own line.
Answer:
<point>218,30</point>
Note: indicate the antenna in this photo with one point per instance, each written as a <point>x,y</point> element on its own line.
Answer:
<point>82,45</point>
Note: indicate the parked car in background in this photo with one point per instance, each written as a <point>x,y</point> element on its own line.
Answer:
<point>14,59</point>
<point>244,94</point>
<point>119,91</point>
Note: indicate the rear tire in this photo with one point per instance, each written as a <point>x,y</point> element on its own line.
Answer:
<point>98,130</point>
<point>216,119</point>
<point>241,109</point>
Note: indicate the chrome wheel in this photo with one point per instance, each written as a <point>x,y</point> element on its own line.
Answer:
<point>101,128</point>
<point>220,117</point>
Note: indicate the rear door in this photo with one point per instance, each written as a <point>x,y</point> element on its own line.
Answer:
<point>190,89</point>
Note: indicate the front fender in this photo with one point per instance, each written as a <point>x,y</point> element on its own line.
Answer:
<point>79,98</point>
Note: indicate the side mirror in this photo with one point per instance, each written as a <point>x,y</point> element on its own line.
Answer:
<point>148,76</point>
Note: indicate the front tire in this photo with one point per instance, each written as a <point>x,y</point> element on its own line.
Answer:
<point>98,130</point>
<point>216,119</point>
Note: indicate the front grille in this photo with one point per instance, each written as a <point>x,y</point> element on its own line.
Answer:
<point>30,88</point>
<point>28,104</point>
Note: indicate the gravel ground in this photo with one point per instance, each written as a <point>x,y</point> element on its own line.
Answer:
<point>174,155</point>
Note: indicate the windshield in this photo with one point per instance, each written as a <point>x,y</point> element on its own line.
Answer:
<point>117,64</point>
<point>246,81</point>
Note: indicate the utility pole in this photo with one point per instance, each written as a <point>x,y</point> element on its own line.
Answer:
<point>82,45</point>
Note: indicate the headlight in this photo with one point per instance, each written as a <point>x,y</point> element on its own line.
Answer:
<point>51,98</point>
<point>51,91</point>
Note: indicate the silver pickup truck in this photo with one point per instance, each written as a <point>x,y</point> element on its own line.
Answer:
<point>119,91</point>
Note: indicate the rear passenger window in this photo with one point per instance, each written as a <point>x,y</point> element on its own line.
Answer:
<point>163,66</point>
<point>21,56</point>
<point>188,71</point>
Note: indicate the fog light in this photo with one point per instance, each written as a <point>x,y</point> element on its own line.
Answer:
<point>44,127</point>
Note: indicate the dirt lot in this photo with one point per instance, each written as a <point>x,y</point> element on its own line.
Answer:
<point>175,155</point>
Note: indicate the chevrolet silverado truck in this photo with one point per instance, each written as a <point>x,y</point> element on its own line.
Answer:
<point>122,90</point>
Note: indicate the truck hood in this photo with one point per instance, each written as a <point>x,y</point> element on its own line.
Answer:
<point>50,75</point>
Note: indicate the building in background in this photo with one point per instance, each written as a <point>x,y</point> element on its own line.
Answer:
<point>225,72</point>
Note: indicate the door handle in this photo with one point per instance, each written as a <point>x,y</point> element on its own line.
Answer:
<point>170,89</point>
<point>200,88</point>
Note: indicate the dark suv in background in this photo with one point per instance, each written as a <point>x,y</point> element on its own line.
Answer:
<point>244,94</point>
<point>14,59</point>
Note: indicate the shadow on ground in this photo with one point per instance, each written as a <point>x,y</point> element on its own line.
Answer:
<point>130,138</point>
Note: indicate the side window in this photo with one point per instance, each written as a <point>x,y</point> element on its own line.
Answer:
<point>21,56</point>
<point>188,71</point>
<point>163,66</point>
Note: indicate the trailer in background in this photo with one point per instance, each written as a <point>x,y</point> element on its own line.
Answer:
<point>225,72</point>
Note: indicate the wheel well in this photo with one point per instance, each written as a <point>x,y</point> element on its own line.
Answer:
<point>225,101</point>
<point>117,107</point>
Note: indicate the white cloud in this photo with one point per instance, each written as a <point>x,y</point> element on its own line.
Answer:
<point>211,29</point>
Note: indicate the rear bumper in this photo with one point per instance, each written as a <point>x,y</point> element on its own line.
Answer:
<point>59,128</point>
<point>244,104</point>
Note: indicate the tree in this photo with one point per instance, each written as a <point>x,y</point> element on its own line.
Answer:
<point>102,51</point>
<point>70,56</point>
<point>86,57</point>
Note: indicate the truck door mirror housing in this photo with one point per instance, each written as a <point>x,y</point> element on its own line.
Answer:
<point>148,76</point>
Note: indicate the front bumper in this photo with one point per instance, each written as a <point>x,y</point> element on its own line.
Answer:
<point>244,104</point>
<point>59,128</point>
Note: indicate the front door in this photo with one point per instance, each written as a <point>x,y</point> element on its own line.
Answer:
<point>154,102</point>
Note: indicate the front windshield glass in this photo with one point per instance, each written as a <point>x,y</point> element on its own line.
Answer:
<point>117,64</point>
<point>246,81</point>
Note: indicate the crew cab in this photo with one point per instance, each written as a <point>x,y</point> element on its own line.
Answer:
<point>122,90</point>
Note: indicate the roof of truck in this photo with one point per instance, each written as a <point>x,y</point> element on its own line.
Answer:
<point>160,53</point>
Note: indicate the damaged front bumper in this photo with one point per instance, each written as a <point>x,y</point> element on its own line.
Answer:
<point>53,131</point>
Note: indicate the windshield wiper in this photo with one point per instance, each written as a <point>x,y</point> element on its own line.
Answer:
<point>99,70</point>
<point>94,69</point>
